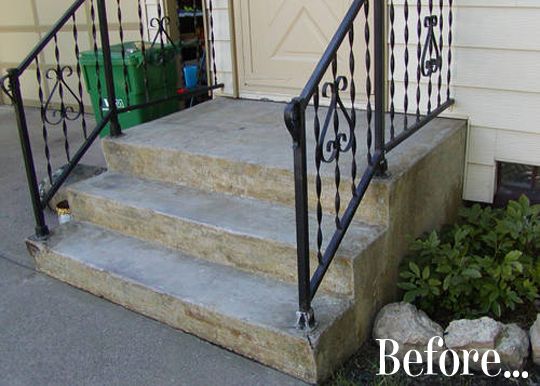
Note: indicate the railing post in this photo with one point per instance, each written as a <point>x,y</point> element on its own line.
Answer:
<point>41,227</point>
<point>295,117</point>
<point>380,81</point>
<point>107,67</point>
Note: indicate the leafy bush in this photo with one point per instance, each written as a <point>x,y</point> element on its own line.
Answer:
<point>485,264</point>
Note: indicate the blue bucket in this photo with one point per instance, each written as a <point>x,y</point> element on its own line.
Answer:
<point>190,75</point>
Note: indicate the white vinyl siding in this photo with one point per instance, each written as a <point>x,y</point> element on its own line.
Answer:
<point>495,82</point>
<point>497,85</point>
<point>223,46</point>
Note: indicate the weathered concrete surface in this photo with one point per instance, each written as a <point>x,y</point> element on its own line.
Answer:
<point>250,234</point>
<point>245,313</point>
<point>424,194</point>
<point>81,172</point>
<point>54,334</point>
<point>16,218</point>
<point>243,148</point>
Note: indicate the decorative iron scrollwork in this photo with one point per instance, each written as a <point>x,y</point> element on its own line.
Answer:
<point>6,87</point>
<point>59,75</point>
<point>434,63</point>
<point>161,24</point>
<point>162,37</point>
<point>341,143</point>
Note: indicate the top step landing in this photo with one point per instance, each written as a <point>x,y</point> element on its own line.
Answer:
<point>242,147</point>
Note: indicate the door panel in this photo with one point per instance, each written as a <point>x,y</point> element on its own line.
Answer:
<point>279,43</point>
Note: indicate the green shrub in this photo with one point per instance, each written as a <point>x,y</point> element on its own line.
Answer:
<point>485,264</point>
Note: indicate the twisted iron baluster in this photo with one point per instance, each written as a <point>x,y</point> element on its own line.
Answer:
<point>196,26</point>
<point>95,48</point>
<point>180,52</point>
<point>143,51</point>
<point>162,46</point>
<point>337,170</point>
<point>212,40</point>
<point>406,75</point>
<point>43,120</point>
<point>318,180</point>
<point>369,110</point>
<point>441,42</point>
<point>123,51</point>
<point>352,65</point>
<point>450,38</point>
<point>392,70</point>
<point>79,77</point>
<point>430,81</point>
<point>419,56</point>
<point>59,74</point>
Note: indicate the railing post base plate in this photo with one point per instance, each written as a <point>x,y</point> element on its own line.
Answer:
<point>42,232</point>
<point>305,321</point>
<point>382,170</point>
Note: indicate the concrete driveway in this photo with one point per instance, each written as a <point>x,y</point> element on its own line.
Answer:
<point>53,334</point>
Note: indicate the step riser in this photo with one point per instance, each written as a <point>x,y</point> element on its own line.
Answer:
<point>211,243</point>
<point>294,357</point>
<point>237,178</point>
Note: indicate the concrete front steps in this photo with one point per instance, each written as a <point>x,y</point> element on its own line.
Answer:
<point>248,314</point>
<point>194,225</point>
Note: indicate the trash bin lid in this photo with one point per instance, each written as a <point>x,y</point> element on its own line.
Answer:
<point>133,54</point>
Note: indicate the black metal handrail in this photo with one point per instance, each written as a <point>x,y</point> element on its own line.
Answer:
<point>329,149</point>
<point>66,114</point>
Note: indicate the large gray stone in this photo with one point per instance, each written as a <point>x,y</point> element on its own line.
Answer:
<point>480,334</point>
<point>513,347</point>
<point>409,327</point>
<point>534,334</point>
<point>485,334</point>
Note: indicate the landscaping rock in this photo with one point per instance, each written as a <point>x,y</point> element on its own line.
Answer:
<point>480,334</point>
<point>485,334</point>
<point>534,334</point>
<point>408,326</point>
<point>513,347</point>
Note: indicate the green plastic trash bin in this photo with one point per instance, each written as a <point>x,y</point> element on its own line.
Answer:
<point>160,73</point>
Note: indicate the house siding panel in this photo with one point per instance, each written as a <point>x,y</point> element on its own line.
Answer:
<point>498,87</point>
<point>495,83</point>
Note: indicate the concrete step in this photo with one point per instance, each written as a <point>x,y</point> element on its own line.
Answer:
<point>245,313</point>
<point>242,147</point>
<point>253,235</point>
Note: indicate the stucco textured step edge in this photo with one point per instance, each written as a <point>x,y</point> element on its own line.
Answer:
<point>250,315</point>
<point>253,235</point>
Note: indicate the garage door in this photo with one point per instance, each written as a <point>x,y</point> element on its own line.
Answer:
<point>279,43</point>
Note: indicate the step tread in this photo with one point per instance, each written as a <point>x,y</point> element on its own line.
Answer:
<point>253,132</point>
<point>224,290</point>
<point>238,215</point>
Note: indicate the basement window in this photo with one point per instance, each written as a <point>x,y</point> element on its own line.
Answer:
<point>514,180</point>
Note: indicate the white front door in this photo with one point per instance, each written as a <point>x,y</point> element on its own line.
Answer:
<point>279,43</point>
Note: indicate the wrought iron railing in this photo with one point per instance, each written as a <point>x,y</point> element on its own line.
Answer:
<point>386,114</point>
<point>63,105</point>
